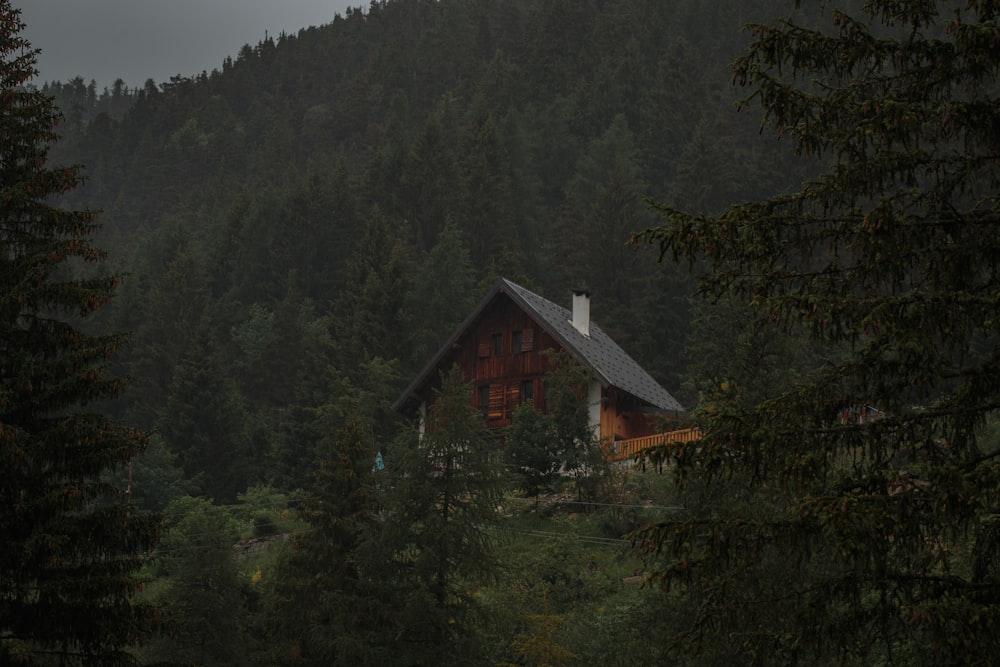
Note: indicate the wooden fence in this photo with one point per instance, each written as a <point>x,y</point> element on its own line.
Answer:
<point>622,450</point>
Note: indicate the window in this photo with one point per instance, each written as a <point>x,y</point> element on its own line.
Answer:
<point>516,342</point>
<point>497,344</point>
<point>528,391</point>
<point>484,401</point>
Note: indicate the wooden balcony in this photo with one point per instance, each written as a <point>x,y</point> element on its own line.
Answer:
<point>623,450</point>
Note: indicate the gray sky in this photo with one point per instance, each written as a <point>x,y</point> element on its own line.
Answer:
<point>156,39</point>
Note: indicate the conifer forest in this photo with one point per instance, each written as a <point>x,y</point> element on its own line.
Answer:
<point>214,290</point>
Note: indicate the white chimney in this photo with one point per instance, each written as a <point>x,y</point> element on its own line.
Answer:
<point>581,311</point>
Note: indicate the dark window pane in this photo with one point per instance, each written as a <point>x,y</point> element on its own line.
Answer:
<point>484,400</point>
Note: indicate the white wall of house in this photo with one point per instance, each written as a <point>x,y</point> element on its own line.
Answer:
<point>594,407</point>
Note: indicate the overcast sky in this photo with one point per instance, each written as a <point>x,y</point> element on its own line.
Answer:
<point>156,39</point>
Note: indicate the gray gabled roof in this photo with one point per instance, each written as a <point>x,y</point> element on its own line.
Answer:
<point>609,363</point>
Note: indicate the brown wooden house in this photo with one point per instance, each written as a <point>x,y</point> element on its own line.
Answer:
<point>500,349</point>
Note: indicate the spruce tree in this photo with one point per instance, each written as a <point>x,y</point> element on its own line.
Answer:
<point>869,535</point>
<point>443,516</point>
<point>326,605</point>
<point>573,440</point>
<point>442,295</point>
<point>200,598</point>
<point>71,543</point>
<point>541,448</point>
<point>530,448</point>
<point>367,317</point>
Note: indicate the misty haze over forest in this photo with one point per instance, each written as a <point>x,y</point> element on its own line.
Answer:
<point>356,429</point>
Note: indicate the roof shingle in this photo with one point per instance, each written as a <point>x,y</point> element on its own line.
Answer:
<point>609,362</point>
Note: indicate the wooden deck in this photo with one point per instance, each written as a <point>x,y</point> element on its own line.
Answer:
<point>623,450</point>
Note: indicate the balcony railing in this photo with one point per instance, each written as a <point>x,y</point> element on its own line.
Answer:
<point>622,450</point>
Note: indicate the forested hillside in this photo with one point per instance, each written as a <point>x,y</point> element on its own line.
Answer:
<point>308,222</point>
<point>302,227</point>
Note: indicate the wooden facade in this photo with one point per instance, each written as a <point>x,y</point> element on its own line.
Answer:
<point>501,355</point>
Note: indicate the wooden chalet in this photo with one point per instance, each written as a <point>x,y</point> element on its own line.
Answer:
<point>500,349</point>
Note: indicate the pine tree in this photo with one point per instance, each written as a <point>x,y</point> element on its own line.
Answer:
<point>604,207</point>
<point>442,295</point>
<point>574,441</point>
<point>204,422</point>
<point>428,182</point>
<point>487,200</point>
<point>367,319</point>
<point>870,533</point>
<point>539,648</point>
<point>541,448</point>
<point>71,544</point>
<point>530,449</point>
<point>326,605</point>
<point>201,601</point>
<point>443,515</point>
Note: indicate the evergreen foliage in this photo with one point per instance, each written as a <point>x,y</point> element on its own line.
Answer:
<point>542,447</point>
<point>337,614</point>
<point>325,177</point>
<point>71,542</point>
<point>305,225</point>
<point>539,648</point>
<point>866,530</point>
<point>444,511</point>
<point>529,449</point>
<point>371,311</point>
<point>205,423</point>
<point>442,295</point>
<point>573,436</point>
<point>202,603</point>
